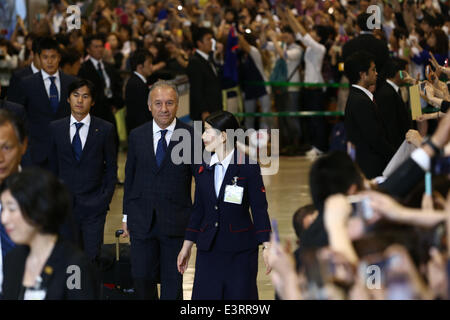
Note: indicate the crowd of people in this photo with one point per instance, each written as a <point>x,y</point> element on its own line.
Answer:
<point>63,90</point>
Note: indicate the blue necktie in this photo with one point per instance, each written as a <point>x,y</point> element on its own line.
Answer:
<point>76,142</point>
<point>161,148</point>
<point>53,94</point>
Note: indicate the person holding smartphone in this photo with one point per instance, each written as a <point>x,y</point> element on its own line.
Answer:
<point>226,235</point>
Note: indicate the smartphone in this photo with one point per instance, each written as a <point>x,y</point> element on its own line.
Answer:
<point>422,86</point>
<point>446,63</point>
<point>275,230</point>
<point>361,207</point>
<point>401,74</point>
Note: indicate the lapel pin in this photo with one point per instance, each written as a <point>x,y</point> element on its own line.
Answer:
<point>48,270</point>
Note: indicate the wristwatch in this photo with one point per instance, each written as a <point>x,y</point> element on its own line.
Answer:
<point>436,150</point>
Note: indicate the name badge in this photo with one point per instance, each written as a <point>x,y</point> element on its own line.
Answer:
<point>233,193</point>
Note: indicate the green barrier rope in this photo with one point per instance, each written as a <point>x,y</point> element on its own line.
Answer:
<point>296,84</point>
<point>306,113</point>
<point>291,114</point>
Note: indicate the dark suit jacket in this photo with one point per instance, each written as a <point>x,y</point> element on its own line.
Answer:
<point>102,107</point>
<point>404,179</point>
<point>55,281</point>
<point>35,99</point>
<point>229,226</point>
<point>136,97</point>
<point>92,180</point>
<point>370,44</point>
<point>394,113</point>
<point>205,92</point>
<point>364,128</point>
<point>13,93</point>
<point>165,191</point>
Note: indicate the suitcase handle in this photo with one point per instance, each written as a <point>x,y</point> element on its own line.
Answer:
<point>118,233</point>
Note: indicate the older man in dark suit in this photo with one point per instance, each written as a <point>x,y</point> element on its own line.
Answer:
<point>136,90</point>
<point>44,96</point>
<point>363,123</point>
<point>157,197</point>
<point>205,95</point>
<point>87,164</point>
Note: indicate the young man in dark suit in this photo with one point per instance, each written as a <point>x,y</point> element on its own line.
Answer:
<point>363,123</point>
<point>205,94</point>
<point>84,157</point>
<point>44,96</point>
<point>136,90</point>
<point>14,83</point>
<point>366,41</point>
<point>105,77</point>
<point>157,197</point>
<point>394,112</point>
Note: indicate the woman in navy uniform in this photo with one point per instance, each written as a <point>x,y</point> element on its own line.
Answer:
<point>226,234</point>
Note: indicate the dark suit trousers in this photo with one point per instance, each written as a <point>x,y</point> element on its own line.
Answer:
<point>317,131</point>
<point>154,259</point>
<point>90,230</point>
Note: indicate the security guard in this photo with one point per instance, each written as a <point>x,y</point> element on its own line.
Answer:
<point>226,235</point>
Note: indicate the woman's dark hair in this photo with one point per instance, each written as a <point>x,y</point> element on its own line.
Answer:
<point>81,83</point>
<point>69,57</point>
<point>441,46</point>
<point>332,174</point>
<point>43,200</point>
<point>223,120</point>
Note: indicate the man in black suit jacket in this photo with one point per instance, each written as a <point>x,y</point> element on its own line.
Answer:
<point>393,110</point>
<point>44,96</point>
<point>136,90</point>
<point>107,81</point>
<point>366,42</point>
<point>15,108</point>
<point>157,197</point>
<point>205,95</point>
<point>14,83</point>
<point>363,123</point>
<point>87,164</point>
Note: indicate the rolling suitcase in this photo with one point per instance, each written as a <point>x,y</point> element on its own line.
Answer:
<point>115,266</point>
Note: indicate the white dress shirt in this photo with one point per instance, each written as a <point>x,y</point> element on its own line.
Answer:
<point>141,77</point>
<point>220,169</point>
<point>33,68</point>
<point>84,130</point>
<point>95,62</point>
<point>157,133</point>
<point>313,58</point>
<point>206,57</point>
<point>396,87</point>
<point>48,82</point>
<point>367,92</point>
